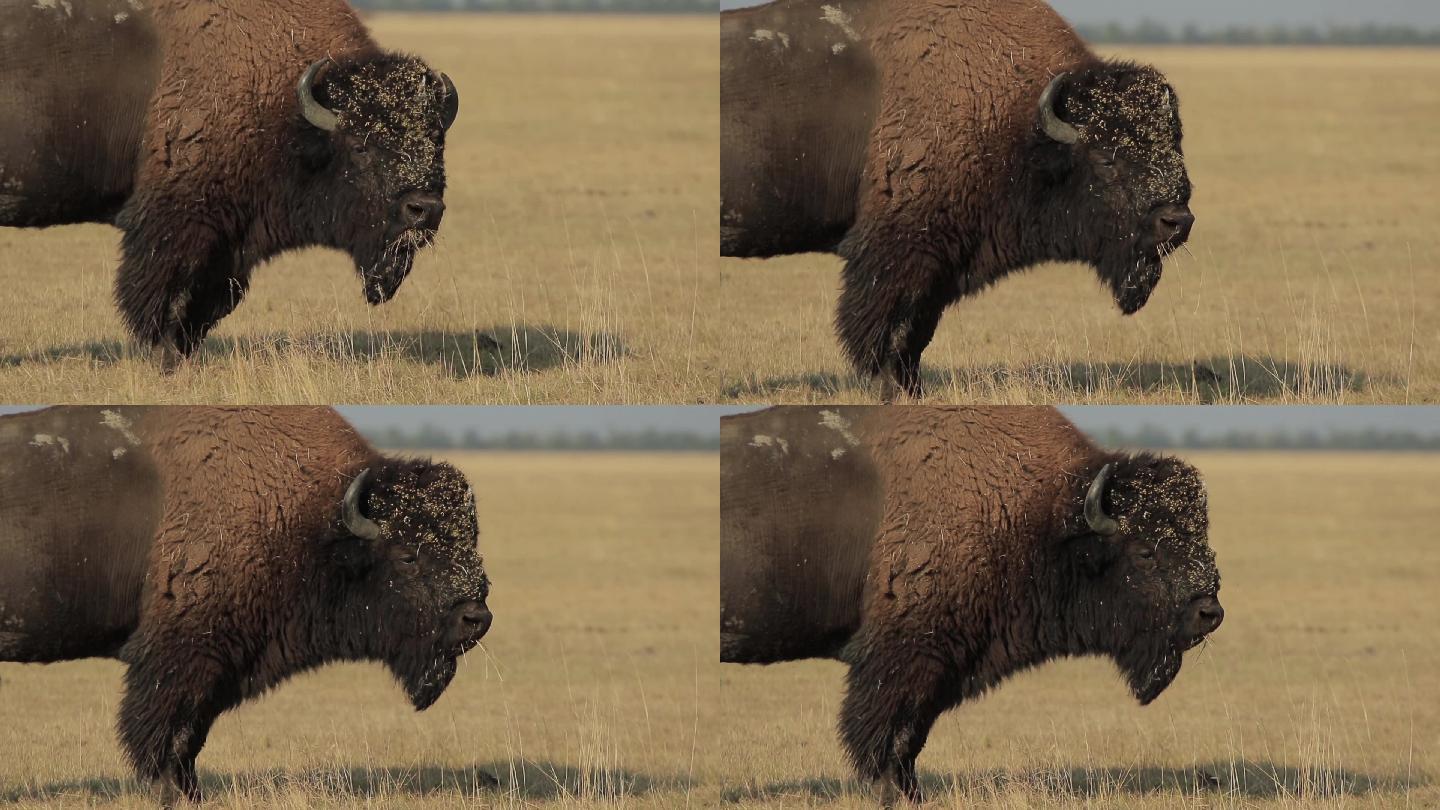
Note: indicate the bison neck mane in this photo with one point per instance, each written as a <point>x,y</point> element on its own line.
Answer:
<point>1041,599</point>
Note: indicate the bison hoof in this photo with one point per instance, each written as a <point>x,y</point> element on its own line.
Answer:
<point>170,795</point>
<point>170,357</point>
<point>892,390</point>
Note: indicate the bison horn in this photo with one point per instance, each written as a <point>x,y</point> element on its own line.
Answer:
<point>355,520</point>
<point>319,116</point>
<point>452,103</point>
<point>1100,523</point>
<point>1050,122</point>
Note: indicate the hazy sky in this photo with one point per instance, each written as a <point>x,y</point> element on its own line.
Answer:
<point>498,420</point>
<point>1220,419</point>
<point>1215,13</point>
<point>1212,419</point>
<point>1207,419</point>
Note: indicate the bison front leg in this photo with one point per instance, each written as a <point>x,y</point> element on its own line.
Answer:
<point>165,286</point>
<point>887,315</point>
<point>214,295</point>
<point>165,716</point>
<point>891,703</point>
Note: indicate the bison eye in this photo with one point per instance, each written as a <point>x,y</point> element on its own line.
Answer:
<point>360,148</point>
<point>1146,553</point>
<point>409,557</point>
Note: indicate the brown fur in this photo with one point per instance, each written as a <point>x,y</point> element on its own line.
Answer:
<point>212,169</point>
<point>979,564</point>
<point>903,135</point>
<point>251,575</point>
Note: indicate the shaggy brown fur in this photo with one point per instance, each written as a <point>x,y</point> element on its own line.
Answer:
<point>249,572</point>
<point>939,551</point>
<point>905,136</point>
<point>178,121</point>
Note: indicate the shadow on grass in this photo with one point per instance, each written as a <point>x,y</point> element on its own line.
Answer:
<point>1243,779</point>
<point>457,354</point>
<point>1218,379</point>
<point>524,781</point>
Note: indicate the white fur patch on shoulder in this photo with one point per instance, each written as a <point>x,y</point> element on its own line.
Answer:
<point>761,440</point>
<point>838,18</point>
<point>766,35</point>
<point>120,424</point>
<point>838,423</point>
<point>46,440</point>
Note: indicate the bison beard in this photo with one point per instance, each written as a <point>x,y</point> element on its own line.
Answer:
<point>1132,280</point>
<point>1150,668</point>
<point>426,673</point>
<point>426,687</point>
<point>383,275</point>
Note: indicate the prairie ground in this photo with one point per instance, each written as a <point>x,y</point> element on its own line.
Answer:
<point>597,684</point>
<point>1313,274</point>
<point>1321,689</point>
<point>580,236</point>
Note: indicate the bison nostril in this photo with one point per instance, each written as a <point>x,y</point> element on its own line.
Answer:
<point>421,211</point>
<point>1175,224</point>
<point>476,619</point>
<point>1212,615</point>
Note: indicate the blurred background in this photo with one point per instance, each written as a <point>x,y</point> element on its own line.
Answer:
<point>559,427</point>
<point>1248,428</point>
<point>1389,22</point>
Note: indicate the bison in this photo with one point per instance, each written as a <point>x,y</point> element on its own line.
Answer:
<point>219,551</point>
<point>938,551</point>
<point>937,147</point>
<point>216,135</point>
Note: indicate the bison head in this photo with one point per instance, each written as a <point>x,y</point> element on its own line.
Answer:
<point>372,143</point>
<point>418,586</point>
<point>1150,586</point>
<point>1114,184</point>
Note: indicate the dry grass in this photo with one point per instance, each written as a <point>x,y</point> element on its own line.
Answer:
<point>1312,276</point>
<point>598,689</point>
<point>580,234</point>
<point>1320,690</point>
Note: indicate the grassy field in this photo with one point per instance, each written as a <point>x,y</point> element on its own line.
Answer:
<point>597,684</point>
<point>580,235</point>
<point>1313,274</point>
<point>1322,689</point>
